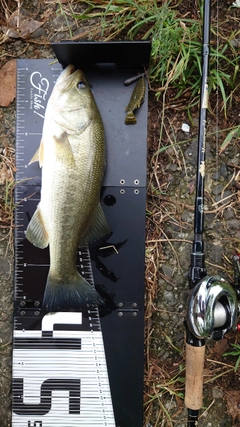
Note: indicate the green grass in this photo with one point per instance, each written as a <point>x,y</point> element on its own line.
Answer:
<point>61,12</point>
<point>176,45</point>
<point>235,352</point>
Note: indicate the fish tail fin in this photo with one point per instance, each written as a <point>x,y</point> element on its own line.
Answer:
<point>74,293</point>
<point>130,118</point>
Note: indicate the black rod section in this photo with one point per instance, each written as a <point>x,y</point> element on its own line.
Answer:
<point>197,268</point>
<point>192,417</point>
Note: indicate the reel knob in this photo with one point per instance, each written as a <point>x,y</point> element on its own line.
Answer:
<point>212,308</point>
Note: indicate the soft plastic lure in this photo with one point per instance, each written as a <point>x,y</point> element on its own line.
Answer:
<point>136,101</point>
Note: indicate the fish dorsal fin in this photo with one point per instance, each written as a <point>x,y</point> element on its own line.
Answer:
<point>36,232</point>
<point>38,156</point>
<point>63,149</point>
<point>97,228</point>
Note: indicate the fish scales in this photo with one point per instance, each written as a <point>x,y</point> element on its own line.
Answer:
<point>69,182</point>
<point>70,220</point>
<point>72,155</point>
<point>136,101</point>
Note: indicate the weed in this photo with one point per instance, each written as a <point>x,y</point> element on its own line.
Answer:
<point>176,45</point>
<point>234,133</point>
<point>169,387</point>
<point>235,352</point>
<point>168,339</point>
<point>61,12</point>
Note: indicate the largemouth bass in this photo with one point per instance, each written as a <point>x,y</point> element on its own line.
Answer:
<point>69,214</point>
<point>135,102</point>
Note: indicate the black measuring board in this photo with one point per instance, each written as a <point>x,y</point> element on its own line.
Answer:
<point>82,368</point>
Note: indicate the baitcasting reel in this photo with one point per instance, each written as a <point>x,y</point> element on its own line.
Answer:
<point>212,308</point>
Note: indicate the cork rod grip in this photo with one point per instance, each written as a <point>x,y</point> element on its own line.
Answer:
<point>194,376</point>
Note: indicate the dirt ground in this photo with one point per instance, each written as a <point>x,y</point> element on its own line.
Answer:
<point>169,223</point>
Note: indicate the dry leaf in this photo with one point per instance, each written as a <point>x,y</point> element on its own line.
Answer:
<point>21,26</point>
<point>5,174</point>
<point>233,403</point>
<point>220,347</point>
<point>8,83</point>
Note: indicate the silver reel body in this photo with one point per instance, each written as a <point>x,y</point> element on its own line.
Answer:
<point>212,308</point>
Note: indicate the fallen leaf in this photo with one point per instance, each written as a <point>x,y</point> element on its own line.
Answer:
<point>233,403</point>
<point>21,26</point>
<point>220,347</point>
<point>8,83</point>
<point>5,174</point>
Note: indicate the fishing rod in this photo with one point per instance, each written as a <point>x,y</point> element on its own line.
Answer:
<point>212,303</point>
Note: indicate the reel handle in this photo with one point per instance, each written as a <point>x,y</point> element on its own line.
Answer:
<point>194,376</point>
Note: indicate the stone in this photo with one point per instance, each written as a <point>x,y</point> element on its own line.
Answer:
<point>191,153</point>
<point>233,224</point>
<point>223,170</point>
<point>169,298</point>
<point>184,297</point>
<point>216,176</point>
<point>4,267</point>
<point>216,393</point>
<point>217,189</point>
<point>167,270</point>
<point>228,213</point>
<point>215,253</point>
<point>172,167</point>
<point>222,197</point>
<point>40,32</point>
<point>187,217</point>
<point>184,257</point>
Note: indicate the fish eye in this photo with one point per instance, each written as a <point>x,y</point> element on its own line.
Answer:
<point>81,85</point>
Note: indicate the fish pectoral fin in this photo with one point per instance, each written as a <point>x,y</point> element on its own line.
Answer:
<point>36,232</point>
<point>38,156</point>
<point>63,149</point>
<point>98,227</point>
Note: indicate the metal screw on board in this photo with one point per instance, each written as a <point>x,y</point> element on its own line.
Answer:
<point>36,303</point>
<point>22,303</point>
<point>22,313</point>
<point>36,313</point>
<point>120,314</point>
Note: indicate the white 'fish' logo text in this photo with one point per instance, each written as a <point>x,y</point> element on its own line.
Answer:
<point>39,90</point>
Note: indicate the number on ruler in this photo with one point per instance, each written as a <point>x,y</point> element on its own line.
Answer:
<point>35,424</point>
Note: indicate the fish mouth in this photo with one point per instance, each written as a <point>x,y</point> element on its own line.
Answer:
<point>67,72</point>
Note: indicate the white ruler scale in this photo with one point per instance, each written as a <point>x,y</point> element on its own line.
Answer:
<point>60,375</point>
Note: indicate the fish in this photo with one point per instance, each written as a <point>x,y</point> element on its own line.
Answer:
<point>135,102</point>
<point>69,214</point>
